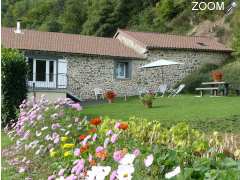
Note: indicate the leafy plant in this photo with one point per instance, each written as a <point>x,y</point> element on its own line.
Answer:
<point>14,85</point>
<point>110,95</point>
<point>147,99</point>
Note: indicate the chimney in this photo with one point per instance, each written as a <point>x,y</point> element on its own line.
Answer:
<point>18,29</point>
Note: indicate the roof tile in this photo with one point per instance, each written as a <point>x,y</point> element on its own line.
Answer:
<point>167,41</point>
<point>67,43</point>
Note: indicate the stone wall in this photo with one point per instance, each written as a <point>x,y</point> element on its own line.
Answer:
<point>87,73</point>
<point>192,61</point>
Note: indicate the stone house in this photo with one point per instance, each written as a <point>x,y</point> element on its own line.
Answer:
<point>63,63</point>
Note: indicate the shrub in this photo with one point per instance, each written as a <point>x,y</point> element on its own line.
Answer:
<point>232,74</point>
<point>147,100</point>
<point>195,79</point>
<point>14,87</point>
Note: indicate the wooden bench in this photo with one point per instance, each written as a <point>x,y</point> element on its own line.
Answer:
<point>213,89</point>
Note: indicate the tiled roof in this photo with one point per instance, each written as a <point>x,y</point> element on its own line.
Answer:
<point>66,43</point>
<point>167,41</point>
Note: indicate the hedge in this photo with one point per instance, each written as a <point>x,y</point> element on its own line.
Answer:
<point>14,83</point>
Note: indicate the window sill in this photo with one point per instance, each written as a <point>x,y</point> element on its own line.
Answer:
<point>122,79</point>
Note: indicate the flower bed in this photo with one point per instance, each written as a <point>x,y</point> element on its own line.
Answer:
<point>76,147</point>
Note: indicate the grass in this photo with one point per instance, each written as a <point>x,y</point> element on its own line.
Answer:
<point>205,113</point>
<point>7,172</point>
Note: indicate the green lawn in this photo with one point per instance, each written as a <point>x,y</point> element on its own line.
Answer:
<point>206,113</point>
<point>7,172</point>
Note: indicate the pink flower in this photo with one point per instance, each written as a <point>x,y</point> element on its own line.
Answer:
<point>76,106</point>
<point>99,149</point>
<point>113,175</point>
<point>52,177</point>
<point>77,152</point>
<point>114,138</point>
<point>55,126</point>
<point>77,169</point>
<point>71,177</point>
<point>117,125</point>
<point>61,172</point>
<point>149,160</point>
<point>118,155</point>
<point>109,133</point>
<point>136,152</point>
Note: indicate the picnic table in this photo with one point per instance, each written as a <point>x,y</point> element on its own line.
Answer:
<point>214,87</point>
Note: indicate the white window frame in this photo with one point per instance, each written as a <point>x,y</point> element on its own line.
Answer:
<point>118,69</point>
<point>46,83</point>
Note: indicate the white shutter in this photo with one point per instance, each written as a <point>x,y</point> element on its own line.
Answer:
<point>62,73</point>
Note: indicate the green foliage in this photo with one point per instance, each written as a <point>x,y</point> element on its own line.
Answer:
<point>235,23</point>
<point>195,79</point>
<point>231,73</point>
<point>103,17</point>
<point>14,86</point>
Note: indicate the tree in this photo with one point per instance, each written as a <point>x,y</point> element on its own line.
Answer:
<point>74,16</point>
<point>14,83</point>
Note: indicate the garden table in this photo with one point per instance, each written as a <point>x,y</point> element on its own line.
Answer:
<point>219,84</point>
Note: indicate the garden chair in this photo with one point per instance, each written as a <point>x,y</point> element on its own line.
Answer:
<point>98,92</point>
<point>162,89</point>
<point>176,91</point>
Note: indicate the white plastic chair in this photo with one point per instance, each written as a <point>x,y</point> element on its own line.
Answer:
<point>98,92</point>
<point>162,89</point>
<point>176,91</point>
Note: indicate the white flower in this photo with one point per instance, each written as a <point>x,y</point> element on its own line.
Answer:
<point>149,160</point>
<point>67,133</point>
<point>21,170</point>
<point>44,128</point>
<point>106,141</point>
<point>60,178</point>
<point>127,159</point>
<point>173,173</point>
<point>38,133</point>
<point>98,173</point>
<point>38,152</point>
<point>124,172</point>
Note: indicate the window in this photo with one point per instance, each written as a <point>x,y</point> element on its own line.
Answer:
<point>122,70</point>
<point>40,70</point>
<point>51,70</point>
<point>30,71</point>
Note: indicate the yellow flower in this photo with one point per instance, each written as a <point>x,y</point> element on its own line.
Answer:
<point>53,153</point>
<point>67,153</point>
<point>64,138</point>
<point>65,146</point>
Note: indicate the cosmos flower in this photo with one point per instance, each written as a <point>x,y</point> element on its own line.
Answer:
<point>96,121</point>
<point>114,138</point>
<point>98,172</point>
<point>118,155</point>
<point>149,160</point>
<point>173,173</point>
<point>124,172</point>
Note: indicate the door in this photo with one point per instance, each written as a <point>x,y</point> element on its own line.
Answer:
<point>62,73</point>
<point>42,73</point>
